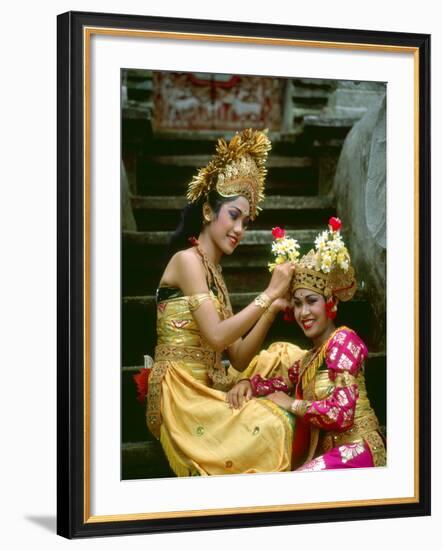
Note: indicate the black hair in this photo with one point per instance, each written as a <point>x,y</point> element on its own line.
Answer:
<point>191,222</point>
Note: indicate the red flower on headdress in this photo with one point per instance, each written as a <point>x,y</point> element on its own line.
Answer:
<point>141,380</point>
<point>278,232</point>
<point>335,224</point>
<point>330,308</point>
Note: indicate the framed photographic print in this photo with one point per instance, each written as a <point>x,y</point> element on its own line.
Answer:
<point>156,113</point>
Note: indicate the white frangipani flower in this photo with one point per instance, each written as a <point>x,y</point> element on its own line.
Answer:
<point>331,250</point>
<point>284,249</point>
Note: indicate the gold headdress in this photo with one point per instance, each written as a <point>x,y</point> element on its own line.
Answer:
<point>327,269</point>
<point>237,168</point>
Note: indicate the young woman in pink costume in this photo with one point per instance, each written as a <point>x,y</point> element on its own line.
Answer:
<point>336,426</point>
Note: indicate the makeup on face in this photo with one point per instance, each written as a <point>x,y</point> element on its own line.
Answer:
<point>228,228</point>
<point>310,314</point>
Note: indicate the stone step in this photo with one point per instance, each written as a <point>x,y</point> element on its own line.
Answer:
<point>145,85</point>
<point>144,460</point>
<point>327,129</point>
<point>308,99</point>
<point>319,95</point>
<point>252,237</point>
<point>202,142</point>
<point>169,174</point>
<point>137,110</point>
<point>202,137</point>
<point>137,88</point>
<point>197,161</point>
<point>163,212</point>
<point>273,202</point>
<point>315,83</point>
<point>328,121</point>
<point>137,74</point>
<point>301,111</point>
<point>170,181</point>
<point>211,136</point>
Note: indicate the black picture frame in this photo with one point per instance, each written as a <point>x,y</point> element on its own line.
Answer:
<point>74,518</point>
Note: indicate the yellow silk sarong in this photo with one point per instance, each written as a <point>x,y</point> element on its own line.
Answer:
<point>199,432</point>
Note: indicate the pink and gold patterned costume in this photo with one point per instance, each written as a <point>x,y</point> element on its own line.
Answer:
<point>337,427</point>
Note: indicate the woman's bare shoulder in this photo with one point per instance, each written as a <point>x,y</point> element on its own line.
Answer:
<point>184,269</point>
<point>187,258</point>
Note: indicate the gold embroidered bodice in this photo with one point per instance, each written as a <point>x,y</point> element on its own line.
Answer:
<point>179,337</point>
<point>322,386</point>
<point>365,426</point>
<point>176,325</point>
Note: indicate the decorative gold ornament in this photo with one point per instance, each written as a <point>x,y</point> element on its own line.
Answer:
<point>327,269</point>
<point>313,359</point>
<point>263,301</point>
<point>215,279</point>
<point>237,168</point>
<point>299,407</point>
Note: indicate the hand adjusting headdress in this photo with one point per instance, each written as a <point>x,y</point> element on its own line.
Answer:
<point>327,269</point>
<point>237,168</point>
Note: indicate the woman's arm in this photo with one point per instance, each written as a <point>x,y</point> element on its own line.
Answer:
<point>335,412</point>
<point>244,349</point>
<point>344,358</point>
<point>345,355</point>
<point>187,272</point>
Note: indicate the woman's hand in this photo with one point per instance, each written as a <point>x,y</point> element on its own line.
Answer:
<point>278,305</point>
<point>281,304</point>
<point>280,281</point>
<point>281,399</point>
<point>239,394</point>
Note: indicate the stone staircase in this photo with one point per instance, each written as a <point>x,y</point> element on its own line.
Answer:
<point>301,167</point>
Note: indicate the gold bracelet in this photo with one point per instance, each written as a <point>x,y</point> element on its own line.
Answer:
<point>263,301</point>
<point>299,407</point>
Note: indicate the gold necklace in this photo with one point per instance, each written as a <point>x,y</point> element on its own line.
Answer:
<point>215,278</point>
<point>315,360</point>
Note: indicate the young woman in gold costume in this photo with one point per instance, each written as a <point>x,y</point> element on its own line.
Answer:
<point>336,426</point>
<point>186,406</point>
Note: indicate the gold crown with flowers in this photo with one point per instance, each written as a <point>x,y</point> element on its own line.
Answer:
<point>327,269</point>
<point>237,168</point>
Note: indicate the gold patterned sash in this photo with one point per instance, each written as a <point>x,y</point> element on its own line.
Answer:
<point>167,352</point>
<point>361,427</point>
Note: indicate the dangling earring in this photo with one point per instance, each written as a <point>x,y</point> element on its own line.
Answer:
<point>207,218</point>
<point>331,308</point>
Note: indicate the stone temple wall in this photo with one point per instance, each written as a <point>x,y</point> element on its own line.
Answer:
<point>360,193</point>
